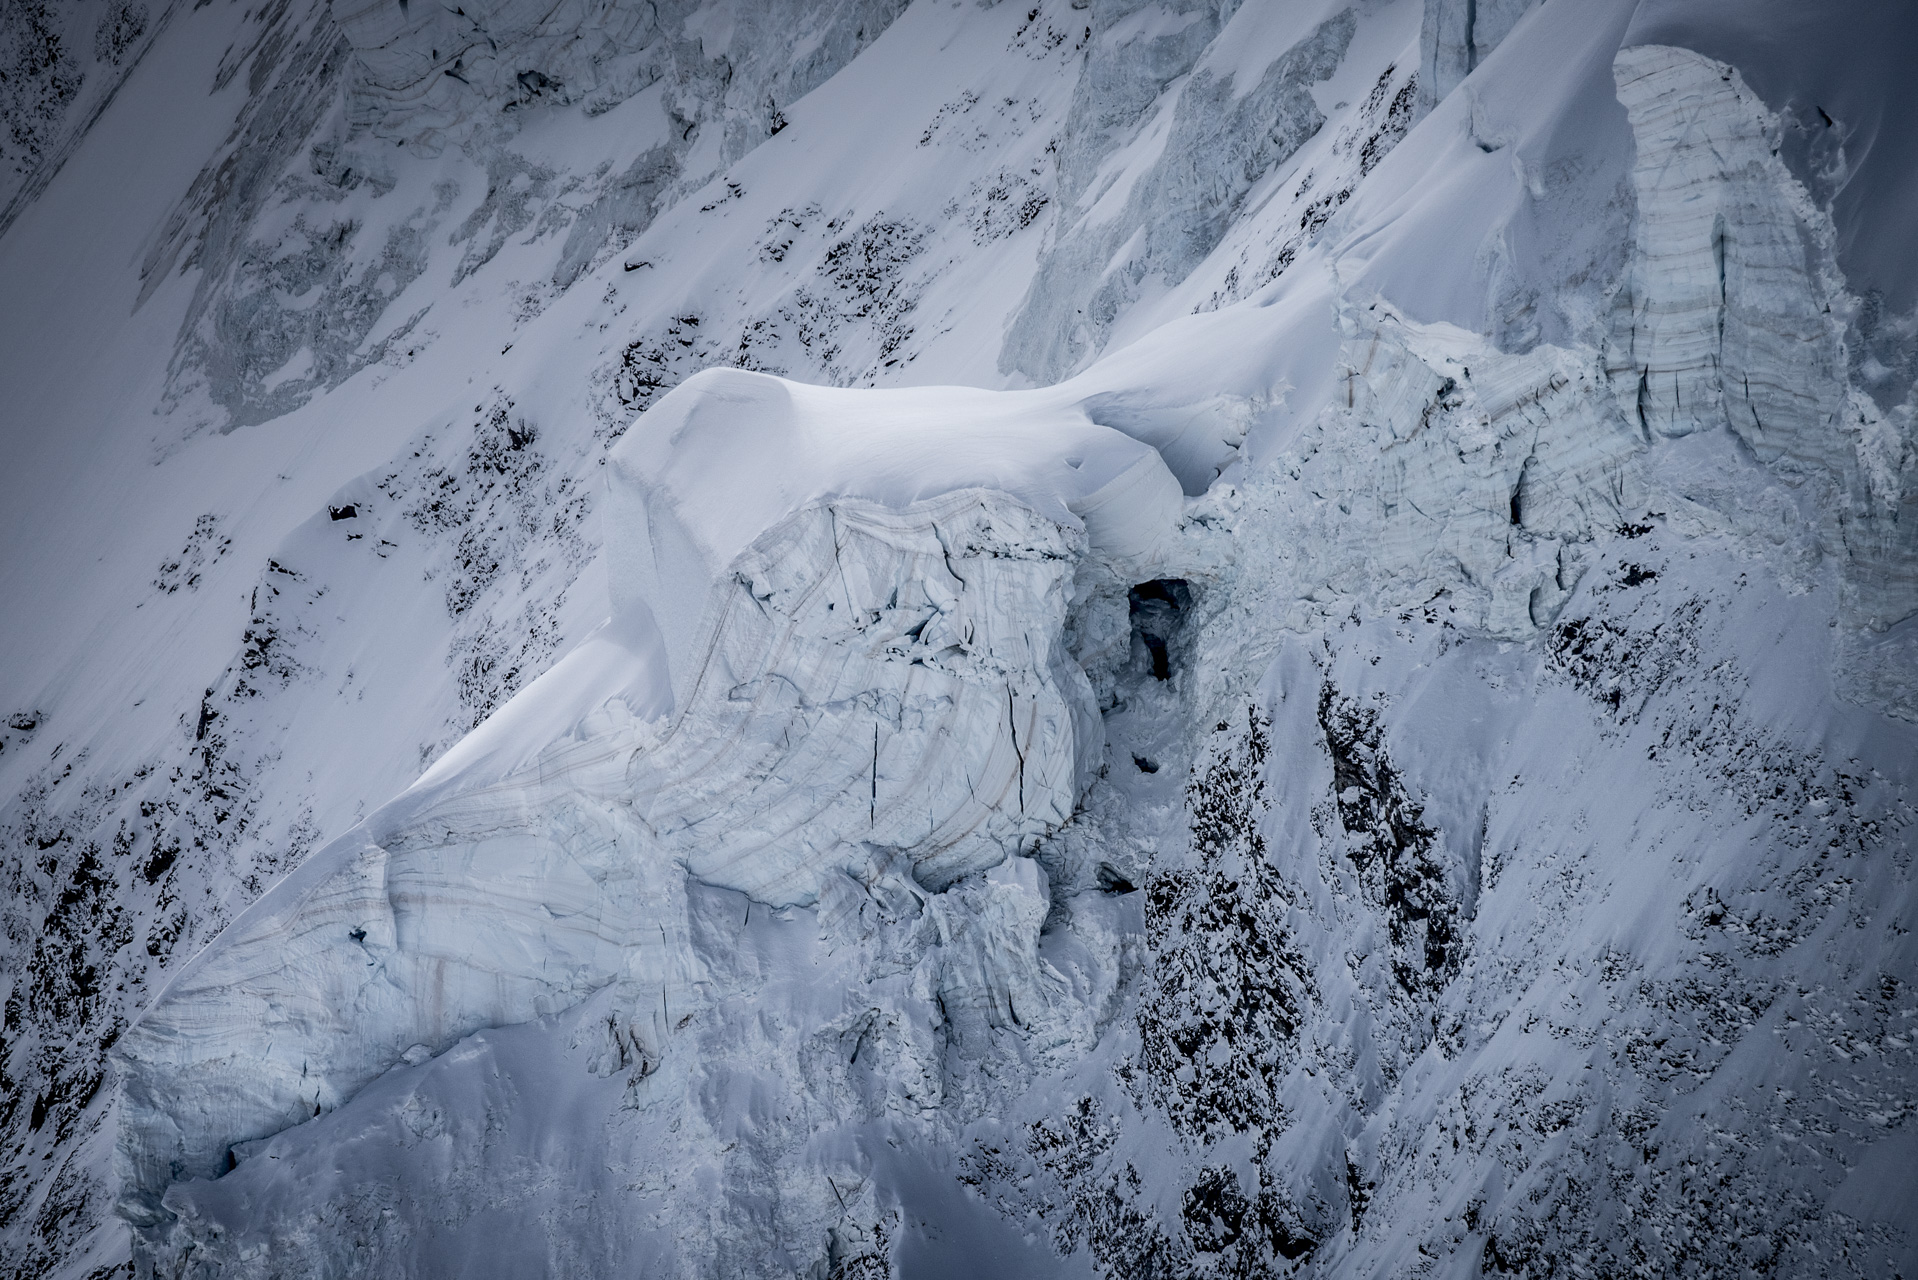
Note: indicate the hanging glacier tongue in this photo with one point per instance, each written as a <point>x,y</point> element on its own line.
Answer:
<point>854,605</point>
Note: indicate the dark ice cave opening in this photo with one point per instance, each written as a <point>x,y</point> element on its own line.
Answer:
<point>1158,608</point>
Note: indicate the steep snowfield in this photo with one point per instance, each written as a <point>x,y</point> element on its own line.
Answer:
<point>1348,709</point>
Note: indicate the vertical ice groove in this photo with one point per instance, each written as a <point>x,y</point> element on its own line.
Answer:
<point>1455,36</point>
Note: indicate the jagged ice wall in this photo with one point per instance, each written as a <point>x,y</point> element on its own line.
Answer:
<point>1282,643</point>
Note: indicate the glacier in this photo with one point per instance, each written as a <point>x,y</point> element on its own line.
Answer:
<point>730,752</point>
<point>1363,554</point>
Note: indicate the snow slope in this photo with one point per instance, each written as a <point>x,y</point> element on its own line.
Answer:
<point>1348,710</point>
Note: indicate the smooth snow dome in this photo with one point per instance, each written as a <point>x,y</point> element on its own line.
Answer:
<point>728,454</point>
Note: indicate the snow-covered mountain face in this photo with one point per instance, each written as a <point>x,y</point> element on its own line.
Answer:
<point>1282,641</point>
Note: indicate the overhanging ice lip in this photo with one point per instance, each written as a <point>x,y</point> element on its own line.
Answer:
<point>729,453</point>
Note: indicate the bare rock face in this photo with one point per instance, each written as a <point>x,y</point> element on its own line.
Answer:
<point>1403,763</point>
<point>431,74</point>
<point>1219,137</point>
<point>60,67</point>
<point>290,309</point>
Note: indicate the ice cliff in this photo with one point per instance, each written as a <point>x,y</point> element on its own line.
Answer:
<point>1732,317</point>
<point>879,682</point>
<point>1126,639</point>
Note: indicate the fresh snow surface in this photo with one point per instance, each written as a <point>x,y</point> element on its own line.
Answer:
<point>870,638</point>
